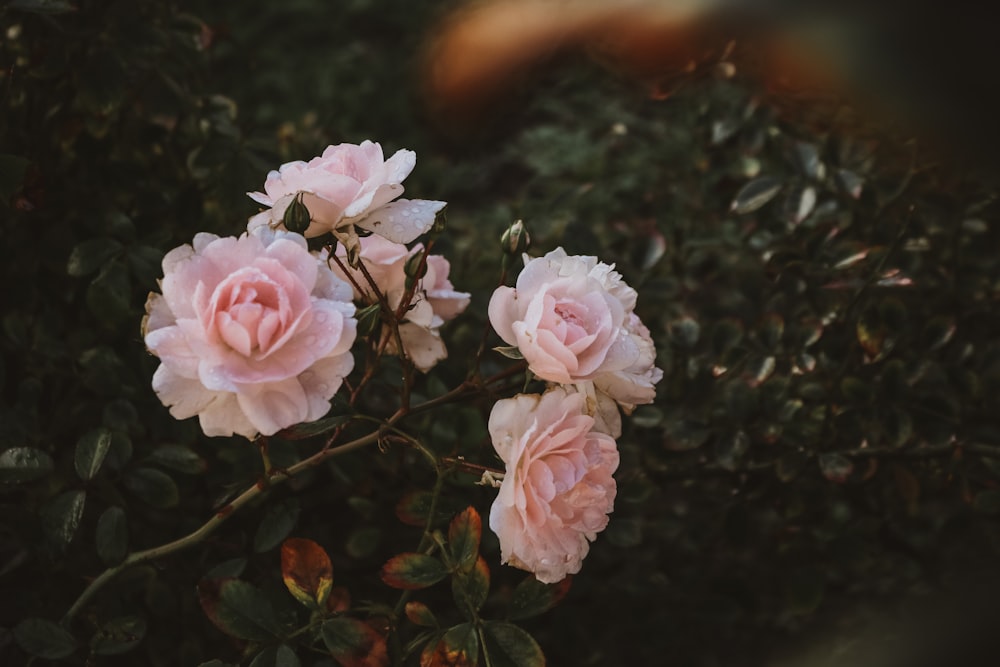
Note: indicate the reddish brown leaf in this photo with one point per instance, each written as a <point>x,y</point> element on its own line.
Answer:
<point>354,643</point>
<point>464,534</point>
<point>306,570</point>
<point>459,647</point>
<point>420,614</point>
<point>339,600</point>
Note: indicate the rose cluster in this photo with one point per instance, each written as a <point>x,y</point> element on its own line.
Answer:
<point>254,333</point>
<point>571,318</point>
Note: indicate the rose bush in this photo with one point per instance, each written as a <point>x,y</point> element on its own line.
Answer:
<point>253,333</point>
<point>434,302</point>
<point>572,319</point>
<point>558,488</point>
<point>349,185</point>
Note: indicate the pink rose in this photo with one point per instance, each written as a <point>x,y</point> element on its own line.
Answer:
<point>348,186</point>
<point>435,300</point>
<point>253,333</point>
<point>558,488</point>
<point>571,318</point>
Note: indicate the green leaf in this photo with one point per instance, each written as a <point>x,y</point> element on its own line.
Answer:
<point>44,639</point>
<point>510,646</point>
<point>411,571</point>
<point>532,597</point>
<point>24,464</point>
<point>276,656</point>
<point>61,516</point>
<point>458,647</point>
<point>112,536</point>
<point>420,614</point>
<point>730,450</point>
<point>91,255</point>
<point>414,507</point>
<point>755,194</point>
<point>227,569</point>
<point>306,571</point>
<point>178,458</point>
<point>239,609</point>
<point>464,533</point>
<point>471,587</point>
<point>90,452</point>
<point>354,643</point>
<point>277,523</point>
<point>153,487</point>
<point>509,351</point>
<point>310,429</point>
<point>108,294</point>
<point>119,635</point>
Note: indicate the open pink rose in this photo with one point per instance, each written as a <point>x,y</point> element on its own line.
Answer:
<point>571,318</point>
<point>558,488</point>
<point>435,300</point>
<point>349,185</point>
<point>253,333</point>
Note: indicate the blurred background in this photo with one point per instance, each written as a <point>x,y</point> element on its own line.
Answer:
<point>803,196</point>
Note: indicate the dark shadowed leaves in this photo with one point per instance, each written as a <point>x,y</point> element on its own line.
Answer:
<point>90,452</point>
<point>354,643</point>
<point>111,538</point>
<point>238,609</point>
<point>471,587</point>
<point>61,516</point>
<point>153,487</point>
<point>420,614</point>
<point>276,656</point>
<point>835,467</point>
<point>24,464</point>
<point>278,522</point>
<point>532,597</point>
<point>510,646</point>
<point>119,635</point>
<point>44,639</point>
<point>755,194</point>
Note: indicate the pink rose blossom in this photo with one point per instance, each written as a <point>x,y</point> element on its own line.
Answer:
<point>558,488</point>
<point>253,333</point>
<point>435,300</point>
<point>572,319</point>
<point>347,186</point>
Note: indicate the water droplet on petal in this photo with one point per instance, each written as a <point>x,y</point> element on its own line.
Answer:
<point>321,317</point>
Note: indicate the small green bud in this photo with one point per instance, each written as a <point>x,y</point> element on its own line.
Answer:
<point>515,240</point>
<point>440,221</point>
<point>297,216</point>
<point>369,319</point>
<point>415,268</point>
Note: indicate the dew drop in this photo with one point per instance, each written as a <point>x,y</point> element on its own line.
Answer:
<point>322,386</point>
<point>406,214</point>
<point>398,228</point>
<point>321,317</point>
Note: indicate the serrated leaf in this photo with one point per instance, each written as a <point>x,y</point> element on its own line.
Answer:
<point>510,646</point>
<point>91,255</point>
<point>153,487</point>
<point>755,194</point>
<point>61,516</point>
<point>276,656</point>
<point>353,643</point>
<point>277,523</point>
<point>458,647</point>
<point>44,639</point>
<point>238,609</point>
<point>111,538</point>
<point>24,464</point>
<point>119,635</point>
<point>464,534</point>
<point>532,597</point>
<point>90,452</point>
<point>471,587</point>
<point>318,427</point>
<point>178,458</point>
<point>306,571</point>
<point>412,571</point>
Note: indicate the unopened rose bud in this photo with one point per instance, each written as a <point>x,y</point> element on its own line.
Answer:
<point>415,268</point>
<point>515,239</point>
<point>297,216</point>
<point>369,319</point>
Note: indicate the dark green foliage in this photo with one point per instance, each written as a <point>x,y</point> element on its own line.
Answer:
<point>824,448</point>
